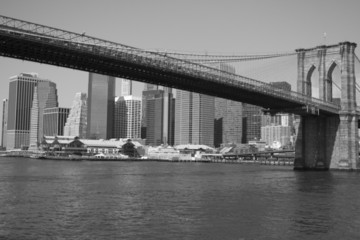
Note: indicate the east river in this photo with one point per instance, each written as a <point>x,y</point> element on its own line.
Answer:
<point>42,199</point>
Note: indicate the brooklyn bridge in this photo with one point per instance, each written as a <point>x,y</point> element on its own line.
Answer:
<point>326,130</point>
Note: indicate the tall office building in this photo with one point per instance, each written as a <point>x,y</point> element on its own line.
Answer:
<point>146,94</point>
<point>280,119</point>
<point>21,93</point>
<point>150,86</point>
<point>76,123</point>
<point>159,120</point>
<point>251,123</point>
<point>167,112</point>
<point>168,117</point>
<point>125,87</point>
<point>45,96</point>
<point>127,119</point>
<point>100,117</point>
<point>228,116</point>
<point>271,134</point>
<point>228,126</point>
<point>194,118</point>
<point>4,123</point>
<point>54,121</point>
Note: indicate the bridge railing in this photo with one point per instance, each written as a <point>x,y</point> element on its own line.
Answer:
<point>160,61</point>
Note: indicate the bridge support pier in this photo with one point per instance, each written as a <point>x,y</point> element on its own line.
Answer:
<point>325,143</point>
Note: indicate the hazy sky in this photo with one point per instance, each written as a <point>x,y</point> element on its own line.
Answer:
<point>226,26</point>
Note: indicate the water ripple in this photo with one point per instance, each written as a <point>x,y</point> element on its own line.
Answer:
<point>122,200</point>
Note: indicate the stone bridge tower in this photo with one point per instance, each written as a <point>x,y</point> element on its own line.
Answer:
<point>329,141</point>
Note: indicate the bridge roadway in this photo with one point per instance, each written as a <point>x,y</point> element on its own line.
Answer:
<point>33,42</point>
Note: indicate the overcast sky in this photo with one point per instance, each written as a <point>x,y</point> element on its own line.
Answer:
<point>226,26</point>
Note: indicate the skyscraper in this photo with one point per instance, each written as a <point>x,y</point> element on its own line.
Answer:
<point>228,126</point>
<point>127,120</point>
<point>76,123</point>
<point>159,117</point>
<point>4,123</point>
<point>228,117</point>
<point>278,133</point>
<point>45,96</point>
<point>150,86</point>
<point>21,93</point>
<point>251,123</point>
<point>54,121</point>
<point>100,117</point>
<point>194,118</point>
<point>125,87</point>
<point>154,119</point>
<point>148,93</point>
<point>167,113</point>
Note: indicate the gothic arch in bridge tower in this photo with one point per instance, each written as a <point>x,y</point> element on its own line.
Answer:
<point>308,84</point>
<point>331,69</point>
<point>323,59</point>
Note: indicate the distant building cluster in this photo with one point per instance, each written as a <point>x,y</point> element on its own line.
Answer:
<point>158,117</point>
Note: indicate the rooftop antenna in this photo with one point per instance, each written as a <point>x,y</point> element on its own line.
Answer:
<point>324,38</point>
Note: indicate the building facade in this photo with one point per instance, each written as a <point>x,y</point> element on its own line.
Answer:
<point>271,134</point>
<point>21,93</point>
<point>167,112</point>
<point>54,121</point>
<point>4,123</point>
<point>126,87</point>
<point>251,123</point>
<point>45,96</point>
<point>159,117</point>
<point>100,116</point>
<point>282,119</point>
<point>194,118</point>
<point>76,123</point>
<point>154,118</point>
<point>228,116</point>
<point>127,119</point>
<point>228,122</point>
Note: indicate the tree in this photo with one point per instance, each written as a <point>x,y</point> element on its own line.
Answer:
<point>129,149</point>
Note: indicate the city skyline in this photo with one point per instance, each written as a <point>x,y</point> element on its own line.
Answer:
<point>170,31</point>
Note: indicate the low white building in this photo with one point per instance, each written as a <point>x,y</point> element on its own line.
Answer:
<point>94,146</point>
<point>163,153</point>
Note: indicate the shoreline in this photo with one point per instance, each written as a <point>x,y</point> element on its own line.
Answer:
<point>269,161</point>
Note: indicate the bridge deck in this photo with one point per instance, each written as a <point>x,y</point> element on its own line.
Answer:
<point>38,43</point>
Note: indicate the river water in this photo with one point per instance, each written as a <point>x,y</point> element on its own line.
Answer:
<point>155,200</point>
